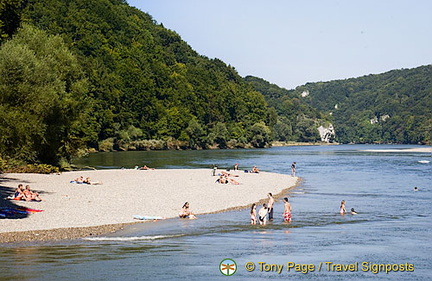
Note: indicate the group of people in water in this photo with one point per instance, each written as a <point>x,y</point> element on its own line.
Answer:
<point>343,211</point>
<point>26,194</point>
<point>267,211</point>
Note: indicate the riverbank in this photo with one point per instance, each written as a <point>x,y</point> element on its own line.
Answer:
<point>73,210</point>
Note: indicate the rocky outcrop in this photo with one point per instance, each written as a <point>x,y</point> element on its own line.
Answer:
<point>326,134</point>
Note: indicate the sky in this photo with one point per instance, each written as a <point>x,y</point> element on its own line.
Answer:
<point>290,43</point>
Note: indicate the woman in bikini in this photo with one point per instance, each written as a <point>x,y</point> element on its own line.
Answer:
<point>253,214</point>
<point>185,212</point>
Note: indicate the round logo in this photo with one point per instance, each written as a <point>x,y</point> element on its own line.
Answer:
<point>228,267</point>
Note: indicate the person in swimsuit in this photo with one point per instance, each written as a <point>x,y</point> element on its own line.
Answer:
<point>270,206</point>
<point>293,169</point>
<point>30,195</point>
<point>342,209</point>
<point>353,212</point>
<point>236,167</point>
<point>19,193</point>
<point>287,210</point>
<point>262,215</point>
<point>253,214</point>
<point>186,213</point>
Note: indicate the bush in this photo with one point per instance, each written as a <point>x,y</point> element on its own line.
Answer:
<point>34,168</point>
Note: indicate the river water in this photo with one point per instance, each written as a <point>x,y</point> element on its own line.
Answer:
<point>390,232</point>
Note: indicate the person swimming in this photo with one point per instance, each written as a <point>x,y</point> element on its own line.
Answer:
<point>353,212</point>
<point>415,188</point>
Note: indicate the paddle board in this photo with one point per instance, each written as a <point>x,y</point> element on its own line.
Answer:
<point>137,217</point>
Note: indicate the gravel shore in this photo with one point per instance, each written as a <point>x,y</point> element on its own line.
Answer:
<point>73,210</point>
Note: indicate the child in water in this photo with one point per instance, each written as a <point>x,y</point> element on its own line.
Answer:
<point>342,209</point>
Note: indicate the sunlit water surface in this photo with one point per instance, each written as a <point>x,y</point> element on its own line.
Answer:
<point>392,225</point>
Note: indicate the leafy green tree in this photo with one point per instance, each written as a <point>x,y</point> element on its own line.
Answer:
<point>10,17</point>
<point>219,135</point>
<point>42,98</point>
<point>196,134</point>
<point>260,135</point>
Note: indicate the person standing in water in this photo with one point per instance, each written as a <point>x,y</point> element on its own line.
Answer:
<point>287,211</point>
<point>342,209</point>
<point>293,169</point>
<point>270,206</point>
<point>253,214</point>
<point>262,214</point>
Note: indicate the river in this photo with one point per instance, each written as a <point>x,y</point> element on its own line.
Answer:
<point>389,239</point>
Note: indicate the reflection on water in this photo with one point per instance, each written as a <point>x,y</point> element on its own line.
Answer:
<point>392,225</point>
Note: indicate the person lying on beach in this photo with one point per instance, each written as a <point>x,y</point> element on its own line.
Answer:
<point>262,215</point>
<point>186,213</point>
<point>145,168</point>
<point>30,195</point>
<point>225,180</point>
<point>88,181</point>
<point>79,180</point>
<point>255,170</point>
<point>228,174</point>
<point>222,180</point>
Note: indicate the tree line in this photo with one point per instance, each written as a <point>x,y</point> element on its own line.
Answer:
<point>101,75</point>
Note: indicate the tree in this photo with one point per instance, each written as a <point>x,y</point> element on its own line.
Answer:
<point>42,98</point>
<point>260,135</point>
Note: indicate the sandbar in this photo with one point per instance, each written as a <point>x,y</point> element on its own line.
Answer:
<point>417,149</point>
<point>72,210</point>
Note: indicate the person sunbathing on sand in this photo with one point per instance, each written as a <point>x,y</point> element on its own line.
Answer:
<point>186,213</point>
<point>88,181</point>
<point>19,193</point>
<point>255,170</point>
<point>78,180</point>
<point>146,168</point>
<point>30,195</point>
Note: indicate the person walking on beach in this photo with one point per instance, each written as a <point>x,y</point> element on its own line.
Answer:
<point>270,206</point>
<point>287,211</point>
<point>293,169</point>
<point>253,214</point>
<point>262,214</point>
<point>342,209</point>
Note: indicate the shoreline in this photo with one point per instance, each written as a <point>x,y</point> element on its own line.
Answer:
<point>66,212</point>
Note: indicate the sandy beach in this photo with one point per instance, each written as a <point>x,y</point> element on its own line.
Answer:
<point>73,210</point>
<point>418,149</point>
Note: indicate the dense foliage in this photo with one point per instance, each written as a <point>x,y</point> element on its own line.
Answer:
<point>292,118</point>
<point>393,107</point>
<point>101,74</point>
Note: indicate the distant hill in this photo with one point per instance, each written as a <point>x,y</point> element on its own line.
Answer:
<point>101,74</point>
<point>114,79</point>
<point>296,119</point>
<point>392,107</point>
